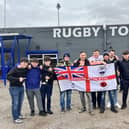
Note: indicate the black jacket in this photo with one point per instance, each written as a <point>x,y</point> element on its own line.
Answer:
<point>76,64</point>
<point>14,75</point>
<point>114,60</point>
<point>123,67</point>
<point>46,72</point>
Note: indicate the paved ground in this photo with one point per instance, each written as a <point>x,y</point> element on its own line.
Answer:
<point>68,120</point>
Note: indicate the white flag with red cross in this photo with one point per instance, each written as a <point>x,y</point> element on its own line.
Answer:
<point>87,78</point>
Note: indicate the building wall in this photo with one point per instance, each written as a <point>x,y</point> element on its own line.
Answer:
<point>73,39</point>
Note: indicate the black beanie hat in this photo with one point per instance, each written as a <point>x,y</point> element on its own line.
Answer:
<point>66,55</point>
<point>105,54</point>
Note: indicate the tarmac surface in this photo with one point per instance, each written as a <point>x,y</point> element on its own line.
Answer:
<point>68,120</point>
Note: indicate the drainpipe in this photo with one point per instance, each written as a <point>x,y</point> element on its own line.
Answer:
<point>105,37</point>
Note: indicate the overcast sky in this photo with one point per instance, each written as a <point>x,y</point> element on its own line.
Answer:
<point>34,13</point>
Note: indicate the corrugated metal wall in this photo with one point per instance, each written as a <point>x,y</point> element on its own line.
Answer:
<point>79,38</point>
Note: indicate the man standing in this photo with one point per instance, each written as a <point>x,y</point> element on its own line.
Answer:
<point>16,78</point>
<point>66,62</point>
<point>124,74</point>
<point>83,61</point>
<point>96,59</point>
<point>110,93</point>
<point>112,56</point>
<point>47,85</point>
<point>113,59</point>
<point>33,87</point>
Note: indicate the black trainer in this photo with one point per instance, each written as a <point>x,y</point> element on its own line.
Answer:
<point>124,106</point>
<point>32,113</point>
<point>114,110</point>
<point>50,112</point>
<point>68,109</point>
<point>94,107</point>
<point>42,113</point>
<point>82,110</point>
<point>62,110</point>
<point>102,110</point>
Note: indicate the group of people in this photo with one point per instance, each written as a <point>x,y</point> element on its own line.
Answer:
<point>95,99</point>
<point>38,80</point>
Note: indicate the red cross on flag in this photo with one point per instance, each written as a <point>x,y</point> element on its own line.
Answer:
<point>87,78</point>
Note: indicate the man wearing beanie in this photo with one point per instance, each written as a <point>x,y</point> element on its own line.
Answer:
<point>110,93</point>
<point>66,62</point>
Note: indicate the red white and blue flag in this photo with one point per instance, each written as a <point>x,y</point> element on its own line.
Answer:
<point>87,78</point>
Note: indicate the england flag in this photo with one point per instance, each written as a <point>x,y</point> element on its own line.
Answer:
<point>87,78</point>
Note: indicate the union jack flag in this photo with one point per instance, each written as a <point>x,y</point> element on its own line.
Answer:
<point>69,73</point>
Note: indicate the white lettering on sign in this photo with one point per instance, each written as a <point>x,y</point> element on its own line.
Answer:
<point>96,31</point>
<point>57,32</point>
<point>87,32</point>
<point>123,31</point>
<point>66,33</point>
<point>113,30</point>
<point>78,32</point>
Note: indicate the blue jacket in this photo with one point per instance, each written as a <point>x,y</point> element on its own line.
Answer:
<point>33,78</point>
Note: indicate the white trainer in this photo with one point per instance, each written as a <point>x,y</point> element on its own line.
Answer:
<point>118,105</point>
<point>108,105</point>
<point>18,121</point>
<point>21,117</point>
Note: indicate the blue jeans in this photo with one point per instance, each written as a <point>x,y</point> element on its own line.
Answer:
<point>110,93</point>
<point>17,96</point>
<point>115,96</point>
<point>68,99</point>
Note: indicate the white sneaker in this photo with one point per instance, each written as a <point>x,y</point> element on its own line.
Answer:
<point>118,105</point>
<point>108,105</point>
<point>21,117</point>
<point>18,121</point>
